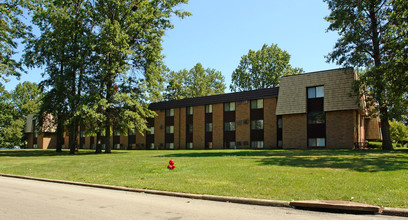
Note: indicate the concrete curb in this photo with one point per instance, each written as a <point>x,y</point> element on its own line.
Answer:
<point>263,202</point>
<point>395,212</point>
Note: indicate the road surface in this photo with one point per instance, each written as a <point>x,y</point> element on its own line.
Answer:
<point>29,199</point>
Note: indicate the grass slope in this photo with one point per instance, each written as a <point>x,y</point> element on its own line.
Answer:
<point>370,176</point>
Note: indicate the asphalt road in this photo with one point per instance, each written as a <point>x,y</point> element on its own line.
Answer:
<point>28,199</point>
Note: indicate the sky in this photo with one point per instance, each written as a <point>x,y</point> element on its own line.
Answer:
<point>220,32</point>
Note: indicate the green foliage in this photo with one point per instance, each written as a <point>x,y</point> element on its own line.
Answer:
<point>399,132</point>
<point>12,29</point>
<point>262,69</point>
<point>14,108</point>
<point>102,60</point>
<point>27,98</point>
<point>196,82</point>
<point>6,117</point>
<point>373,35</point>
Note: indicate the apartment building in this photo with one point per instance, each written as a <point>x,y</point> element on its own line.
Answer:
<point>311,110</point>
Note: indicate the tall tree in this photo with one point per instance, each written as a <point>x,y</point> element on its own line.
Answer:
<point>65,48</point>
<point>373,35</point>
<point>194,83</point>
<point>262,69</point>
<point>129,39</point>
<point>12,29</point>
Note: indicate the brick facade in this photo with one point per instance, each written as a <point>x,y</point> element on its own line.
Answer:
<point>243,130</point>
<point>294,131</point>
<point>270,126</point>
<point>343,123</point>
<point>340,129</point>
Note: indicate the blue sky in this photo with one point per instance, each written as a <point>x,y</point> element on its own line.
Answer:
<point>220,31</point>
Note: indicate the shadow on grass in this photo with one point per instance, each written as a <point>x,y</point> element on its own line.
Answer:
<point>46,153</point>
<point>357,160</point>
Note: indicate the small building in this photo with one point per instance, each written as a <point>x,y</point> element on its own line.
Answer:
<point>311,110</point>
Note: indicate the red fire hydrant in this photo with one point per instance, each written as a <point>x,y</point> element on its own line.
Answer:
<point>171,165</point>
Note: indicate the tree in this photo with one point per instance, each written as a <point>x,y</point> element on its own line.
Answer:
<point>26,98</point>
<point>65,48</point>
<point>399,132</point>
<point>194,83</point>
<point>102,58</point>
<point>373,35</point>
<point>6,117</point>
<point>262,69</point>
<point>14,108</point>
<point>11,30</point>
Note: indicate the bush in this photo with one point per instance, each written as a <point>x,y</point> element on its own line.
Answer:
<point>399,133</point>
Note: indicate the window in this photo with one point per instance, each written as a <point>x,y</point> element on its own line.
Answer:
<point>189,145</point>
<point>257,144</point>
<point>315,92</point>
<point>257,103</point>
<point>35,134</point>
<point>170,129</point>
<point>189,128</point>
<point>208,127</point>
<point>150,146</point>
<point>280,122</point>
<point>317,142</point>
<point>82,134</point>
<point>229,106</point>
<point>208,109</point>
<point>232,145</point>
<point>257,125</point>
<point>170,112</point>
<point>116,133</point>
<point>316,118</point>
<point>189,110</point>
<point>229,126</point>
<point>116,146</point>
<point>151,130</point>
<point>132,131</point>
<point>169,145</point>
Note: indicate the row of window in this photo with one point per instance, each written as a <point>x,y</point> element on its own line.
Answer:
<point>228,106</point>
<point>228,126</point>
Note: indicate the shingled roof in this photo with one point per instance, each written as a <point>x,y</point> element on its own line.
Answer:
<point>206,100</point>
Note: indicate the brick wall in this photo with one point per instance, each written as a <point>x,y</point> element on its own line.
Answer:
<point>199,127</point>
<point>141,140</point>
<point>30,140</point>
<point>270,130</point>
<point>159,130</point>
<point>124,142</point>
<point>294,131</point>
<point>218,126</point>
<point>243,131</point>
<point>183,128</point>
<point>177,115</point>
<point>87,142</point>
<point>340,129</point>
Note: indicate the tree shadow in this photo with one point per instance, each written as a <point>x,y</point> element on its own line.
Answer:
<point>46,153</point>
<point>356,160</point>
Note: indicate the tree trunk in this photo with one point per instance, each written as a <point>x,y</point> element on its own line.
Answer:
<point>385,130</point>
<point>72,140</point>
<point>60,134</point>
<point>107,139</point>
<point>98,148</point>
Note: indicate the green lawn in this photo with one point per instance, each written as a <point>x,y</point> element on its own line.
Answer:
<point>370,176</point>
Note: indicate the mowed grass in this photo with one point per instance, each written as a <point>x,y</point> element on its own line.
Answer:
<point>370,176</point>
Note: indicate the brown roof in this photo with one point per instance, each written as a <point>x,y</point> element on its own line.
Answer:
<point>206,100</point>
